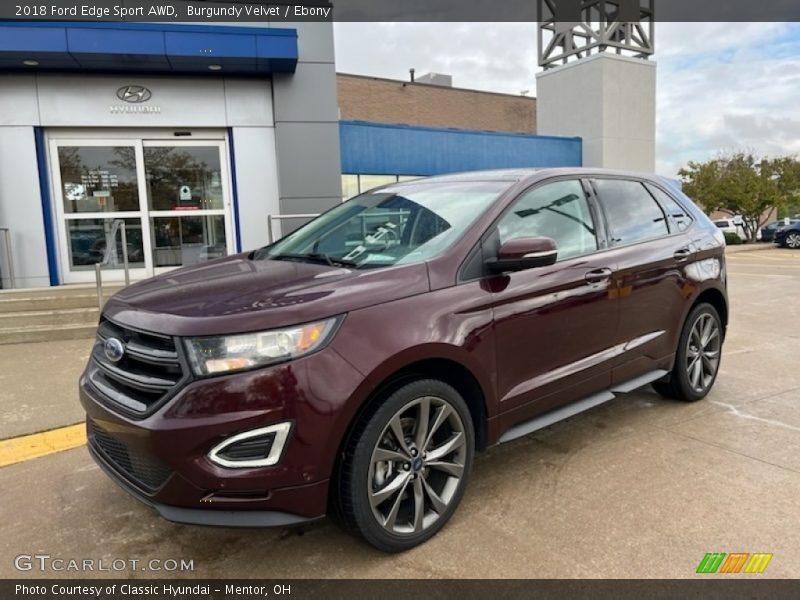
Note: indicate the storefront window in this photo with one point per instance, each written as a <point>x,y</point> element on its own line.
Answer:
<point>100,241</point>
<point>349,186</point>
<point>367,182</point>
<point>178,215</point>
<point>98,178</point>
<point>183,177</point>
<point>187,240</point>
<point>352,185</point>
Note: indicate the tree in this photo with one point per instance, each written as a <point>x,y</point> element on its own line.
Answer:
<point>743,184</point>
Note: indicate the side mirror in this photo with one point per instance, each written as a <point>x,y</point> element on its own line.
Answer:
<point>521,254</point>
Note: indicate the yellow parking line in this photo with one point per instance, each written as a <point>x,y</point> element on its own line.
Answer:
<point>26,447</point>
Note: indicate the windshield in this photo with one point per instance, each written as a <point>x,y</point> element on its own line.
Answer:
<point>395,225</point>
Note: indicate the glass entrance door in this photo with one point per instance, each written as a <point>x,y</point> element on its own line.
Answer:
<point>186,202</point>
<point>172,197</point>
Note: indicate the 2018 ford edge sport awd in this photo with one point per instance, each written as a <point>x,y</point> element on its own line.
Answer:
<point>355,366</point>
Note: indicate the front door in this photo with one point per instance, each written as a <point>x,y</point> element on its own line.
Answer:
<point>554,326</point>
<point>172,196</point>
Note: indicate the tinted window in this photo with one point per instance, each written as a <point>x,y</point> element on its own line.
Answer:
<point>402,224</point>
<point>678,217</point>
<point>556,210</point>
<point>632,213</point>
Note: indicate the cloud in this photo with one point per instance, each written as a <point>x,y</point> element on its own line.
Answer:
<point>721,86</point>
<point>498,57</point>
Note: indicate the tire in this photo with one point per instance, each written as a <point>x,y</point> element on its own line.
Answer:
<point>793,241</point>
<point>689,379</point>
<point>393,495</point>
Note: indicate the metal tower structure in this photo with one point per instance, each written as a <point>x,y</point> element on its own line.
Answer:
<point>574,29</point>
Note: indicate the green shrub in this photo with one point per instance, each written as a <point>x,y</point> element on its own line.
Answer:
<point>732,239</point>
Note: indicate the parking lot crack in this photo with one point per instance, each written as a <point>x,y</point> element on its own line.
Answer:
<point>732,451</point>
<point>735,411</point>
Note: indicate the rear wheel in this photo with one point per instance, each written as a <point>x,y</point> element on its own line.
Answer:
<point>407,466</point>
<point>698,357</point>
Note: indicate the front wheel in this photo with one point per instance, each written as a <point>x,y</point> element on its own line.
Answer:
<point>407,466</point>
<point>793,241</point>
<point>698,357</point>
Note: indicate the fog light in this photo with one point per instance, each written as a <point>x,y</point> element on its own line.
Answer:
<point>255,448</point>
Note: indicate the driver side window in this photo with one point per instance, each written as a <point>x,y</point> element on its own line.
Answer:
<point>558,211</point>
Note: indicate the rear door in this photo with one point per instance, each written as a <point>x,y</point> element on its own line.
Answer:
<point>652,250</point>
<point>554,326</point>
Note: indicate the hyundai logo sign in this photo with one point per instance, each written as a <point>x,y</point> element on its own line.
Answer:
<point>114,349</point>
<point>134,94</point>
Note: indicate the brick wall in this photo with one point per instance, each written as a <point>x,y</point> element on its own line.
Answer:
<point>390,101</point>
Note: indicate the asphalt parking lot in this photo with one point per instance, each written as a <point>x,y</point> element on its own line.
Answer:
<point>638,487</point>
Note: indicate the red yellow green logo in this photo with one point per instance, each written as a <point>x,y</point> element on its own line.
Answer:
<point>736,562</point>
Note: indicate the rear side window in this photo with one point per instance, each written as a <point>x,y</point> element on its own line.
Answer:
<point>677,216</point>
<point>555,210</point>
<point>633,215</point>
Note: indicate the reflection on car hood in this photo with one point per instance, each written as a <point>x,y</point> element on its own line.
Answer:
<point>236,294</point>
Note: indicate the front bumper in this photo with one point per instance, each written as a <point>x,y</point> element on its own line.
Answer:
<point>162,459</point>
<point>199,516</point>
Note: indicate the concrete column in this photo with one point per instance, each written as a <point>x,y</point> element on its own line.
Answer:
<point>610,102</point>
<point>307,127</point>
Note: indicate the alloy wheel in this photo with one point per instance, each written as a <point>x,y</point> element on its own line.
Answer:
<point>793,240</point>
<point>703,352</point>
<point>417,466</point>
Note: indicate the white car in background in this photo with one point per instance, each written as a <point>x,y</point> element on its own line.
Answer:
<point>732,225</point>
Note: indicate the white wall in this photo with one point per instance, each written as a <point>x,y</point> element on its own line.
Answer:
<point>254,147</point>
<point>21,207</point>
<point>609,101</point>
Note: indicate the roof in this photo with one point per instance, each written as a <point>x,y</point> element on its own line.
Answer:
<point>516,175</point>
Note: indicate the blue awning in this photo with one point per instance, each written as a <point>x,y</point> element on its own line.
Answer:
<point>145,47</point>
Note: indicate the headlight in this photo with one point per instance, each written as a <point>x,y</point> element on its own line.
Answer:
<point>210,355</point>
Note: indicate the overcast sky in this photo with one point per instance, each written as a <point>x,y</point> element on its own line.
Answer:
<point>720,86</point>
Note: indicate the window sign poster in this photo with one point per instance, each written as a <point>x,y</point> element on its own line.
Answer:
<point>74,191</point>
<point>186,200</point>
<point>100,178</point>
<point>101,196</point>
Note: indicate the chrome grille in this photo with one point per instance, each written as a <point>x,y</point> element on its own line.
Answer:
<point>149,371</point>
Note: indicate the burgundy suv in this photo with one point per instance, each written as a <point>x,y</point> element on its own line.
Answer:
<point>355,366</point>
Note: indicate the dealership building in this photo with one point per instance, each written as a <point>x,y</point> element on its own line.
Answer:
<point>192,135</point>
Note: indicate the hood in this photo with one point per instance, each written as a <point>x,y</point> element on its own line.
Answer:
<point>237,294</point>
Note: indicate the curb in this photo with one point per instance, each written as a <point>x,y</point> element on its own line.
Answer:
<point>749,247</point>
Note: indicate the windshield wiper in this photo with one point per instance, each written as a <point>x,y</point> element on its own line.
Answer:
<point>316,258</point>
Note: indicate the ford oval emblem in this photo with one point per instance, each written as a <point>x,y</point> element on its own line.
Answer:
<point>114,349</point>
<point>134,94</point>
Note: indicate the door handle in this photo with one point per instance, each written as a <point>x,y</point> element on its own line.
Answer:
<point>598,275</point>
<point>682,255</point>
